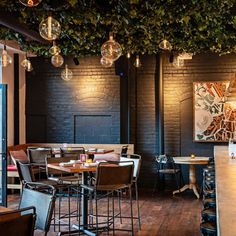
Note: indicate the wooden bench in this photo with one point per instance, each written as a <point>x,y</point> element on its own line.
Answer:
<point>12,174</point>
<point>115,147</point>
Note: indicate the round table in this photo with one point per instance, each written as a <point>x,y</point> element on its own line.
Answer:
<point>192,171</point>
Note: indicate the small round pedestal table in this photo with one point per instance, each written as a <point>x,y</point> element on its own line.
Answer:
<point>192,171</point>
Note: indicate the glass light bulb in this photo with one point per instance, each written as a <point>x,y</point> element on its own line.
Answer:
<point>106,62</point>
<point>50,29</point>
<point>5,58</point>
<point>178,62</point>
<point>29,66</point>
<point>165,45</point>
<point>26,63</point>
<point>111,50</point>
<point>66,74</point>
<point>54,49</point>
<point>57,60</point>
<point>137,62</point>
<point>128,55</point>
<point>30,3</point>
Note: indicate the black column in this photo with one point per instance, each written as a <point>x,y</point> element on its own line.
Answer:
<point>159,104</point>
<point>16,99</point>
<point>122,69</point>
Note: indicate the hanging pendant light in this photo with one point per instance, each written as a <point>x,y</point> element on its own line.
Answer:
<point>66,74</point>
<point>111,50</point>
<point>26,63</point>
<point>57,60</point>
<point>29,66</point>
<point>54,49</point>
<point>50,29</point>
<point>165,45</point>
<point>106,62</point>
<point>30,3</point>
<point>5,58</point>
<point>137,62</point>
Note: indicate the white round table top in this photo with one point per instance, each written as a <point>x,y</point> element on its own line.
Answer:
<point>189,160</point>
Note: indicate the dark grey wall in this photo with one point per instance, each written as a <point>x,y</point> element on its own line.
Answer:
<point>178,102</point>
<point>83,110</point>
<point>87,108</point>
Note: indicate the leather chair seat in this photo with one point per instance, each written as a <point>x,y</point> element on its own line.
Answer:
<point>209,214</point>
<point>208,228</point>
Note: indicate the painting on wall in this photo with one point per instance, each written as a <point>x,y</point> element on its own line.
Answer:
<point>214,118</point>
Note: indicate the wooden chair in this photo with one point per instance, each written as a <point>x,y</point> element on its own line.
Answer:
<point>18,222</point>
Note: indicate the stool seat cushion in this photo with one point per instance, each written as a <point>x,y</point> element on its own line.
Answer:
<point>11,168</point>
<point>208,227</point>
<point>209,213</point>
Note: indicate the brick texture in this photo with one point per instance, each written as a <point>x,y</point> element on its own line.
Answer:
<point>92,95</point>
<point>87,108</point>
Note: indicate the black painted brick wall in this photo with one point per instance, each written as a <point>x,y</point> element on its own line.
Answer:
<point>92,95</point>
<point>146,123</point>
<point>95,91</point>
<point>178,101</point>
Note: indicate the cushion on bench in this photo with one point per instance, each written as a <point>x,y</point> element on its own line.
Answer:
<point>11,168</point>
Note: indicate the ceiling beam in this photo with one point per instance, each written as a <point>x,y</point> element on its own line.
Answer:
<point>11,22</point>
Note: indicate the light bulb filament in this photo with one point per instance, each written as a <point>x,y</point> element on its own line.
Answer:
<point>66,71</point>
<point>164,43</point>
<point>30,3</point>
<point>4,58</point>
<point>49,27</point>
<point>110,50</point>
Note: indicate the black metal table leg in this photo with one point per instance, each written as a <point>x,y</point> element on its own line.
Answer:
<point>84,209</point>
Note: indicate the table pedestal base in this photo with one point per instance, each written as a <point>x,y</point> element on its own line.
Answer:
<point>188,186</point>
<point>192,182</point>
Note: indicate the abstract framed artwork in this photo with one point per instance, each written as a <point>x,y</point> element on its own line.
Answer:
<point>214,118</point>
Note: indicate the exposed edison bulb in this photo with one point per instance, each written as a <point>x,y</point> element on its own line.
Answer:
<point>178,62</point>
<point>106,62</point>
<point>54,49</point>
<point>50,29</point>
<point>165,45</point>
<point>30,3</point>
<point>66,74</point>
<point>137,62</point>
<point>128,55</point>
<point>111,50</point>
<point>29,66</point>
<point>57,60</point>
<point>26,63</point>
<point>5,58</point>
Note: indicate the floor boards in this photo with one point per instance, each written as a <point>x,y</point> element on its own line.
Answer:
<point>162,214</point>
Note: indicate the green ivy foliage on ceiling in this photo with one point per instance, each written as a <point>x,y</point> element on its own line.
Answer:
<point>139,26</point>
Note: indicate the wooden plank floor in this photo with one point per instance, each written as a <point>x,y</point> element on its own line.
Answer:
<point>162,214</point>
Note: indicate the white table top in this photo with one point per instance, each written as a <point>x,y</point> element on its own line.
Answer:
<point>189,160</point>
<point>225,191</point>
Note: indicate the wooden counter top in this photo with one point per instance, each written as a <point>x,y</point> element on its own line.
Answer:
<point>225,191</point>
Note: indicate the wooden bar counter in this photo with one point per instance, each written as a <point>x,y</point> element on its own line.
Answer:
<point>225,191</point>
